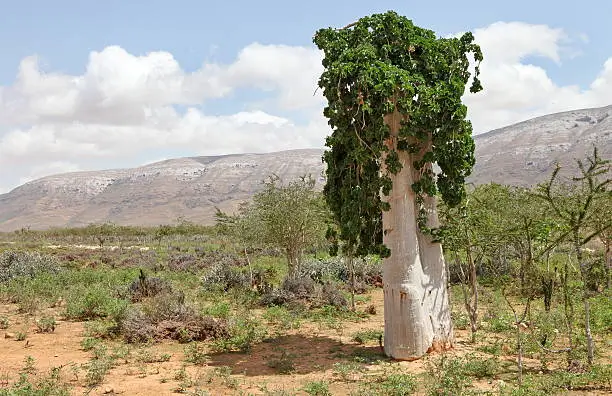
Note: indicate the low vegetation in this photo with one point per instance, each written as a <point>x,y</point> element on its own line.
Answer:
<point>199,310</point>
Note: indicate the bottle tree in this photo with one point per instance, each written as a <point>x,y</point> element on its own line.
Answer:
<point>394,104</point>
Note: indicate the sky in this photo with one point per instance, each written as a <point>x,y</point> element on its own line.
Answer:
<point>89,85</point>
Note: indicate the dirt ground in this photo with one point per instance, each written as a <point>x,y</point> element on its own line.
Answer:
<point>314,351</point>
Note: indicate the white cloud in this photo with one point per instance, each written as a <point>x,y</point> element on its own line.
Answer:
<point>49,168</point>
<point>124,106</point>
<point>509,42</point>
<point>293,74</point>
<point>514,90</point>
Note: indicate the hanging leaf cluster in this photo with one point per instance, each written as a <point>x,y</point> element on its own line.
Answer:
<point>371,67</point>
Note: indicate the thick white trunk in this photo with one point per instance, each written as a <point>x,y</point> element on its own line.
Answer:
<point>417,314</point>
<point>436,286</point>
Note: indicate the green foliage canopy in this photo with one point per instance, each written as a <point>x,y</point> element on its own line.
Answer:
<point>371,67</point>
<point>291,217</point>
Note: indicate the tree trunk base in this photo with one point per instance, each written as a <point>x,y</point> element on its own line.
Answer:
<point>440,346</point>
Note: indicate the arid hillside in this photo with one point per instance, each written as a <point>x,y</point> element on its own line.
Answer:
<point>522,154</point>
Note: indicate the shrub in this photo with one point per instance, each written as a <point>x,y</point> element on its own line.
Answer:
<point>14,263</point>
<point>137,327</point>
<point>148,356</point>
<point>167,317</point>
<point>284,364</point>
<point>96,302</point>
<point>146,286</point>
<point>46,324</point>
<point>364,336</point>
<point>4,322</point>
<point>89,343</point>
<point>218,310</point>
<point>301,288</point>
<point>147,259</point>
<point>392,384</point>
<point>460,320</point>
<point>331,295</point>
<point>348,371</point>
<point>368,270</point>
<point>29,384</point>
<point>480,368</point>
<point>305,290</point>
<point>98,367</point>
<point>195,353</point>
<point>183,262</point>
<point>282,317</point>
<point>317,388</point>
<point>446,376</point>
<point>223,278</point>
<point>291,290</point>
<point>244,331</point>
<point>276,297</point>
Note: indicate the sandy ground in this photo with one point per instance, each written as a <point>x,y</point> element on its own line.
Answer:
<point>314,351</point>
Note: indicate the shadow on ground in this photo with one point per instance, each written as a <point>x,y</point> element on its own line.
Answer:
<point>301,353</point>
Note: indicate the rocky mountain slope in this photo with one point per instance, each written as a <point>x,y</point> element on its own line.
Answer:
<point>158,193</point>
<point>153,194</point>
<point>526,153</point>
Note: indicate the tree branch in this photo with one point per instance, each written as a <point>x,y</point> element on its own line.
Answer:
<point>350,25</point>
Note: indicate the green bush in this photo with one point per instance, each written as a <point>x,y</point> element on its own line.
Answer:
<point>4,322</point>
<point>601,313</point>
<point>32,384</point>
<point>317,388</point>
<point>365,336</point>
<point>97,302</point>
<point>195,353</point>
<point>446,376</point>
<point>46,324</point>
<point>393,384</point>
<point>480,368</point>
<point>244,331</point>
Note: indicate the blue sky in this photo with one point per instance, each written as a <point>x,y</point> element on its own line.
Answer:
<point>64,31</point>
<point>243,73</point>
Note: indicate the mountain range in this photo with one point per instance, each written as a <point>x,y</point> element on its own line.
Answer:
<point>521,154</point>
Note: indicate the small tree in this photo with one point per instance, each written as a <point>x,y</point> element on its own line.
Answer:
<point>291,217</point>
<point>604,208</point>
<point>575,202</point>
<point>473,232</point>
<point>394,102</point>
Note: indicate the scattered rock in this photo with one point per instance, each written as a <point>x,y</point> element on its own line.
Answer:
<point>109,390</point>
<point>9,335</point>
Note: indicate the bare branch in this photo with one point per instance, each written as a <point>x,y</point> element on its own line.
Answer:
<point>350,25</point>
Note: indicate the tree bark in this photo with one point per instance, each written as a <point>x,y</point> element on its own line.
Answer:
<point>417,313</point>
<point>351,267</point>
<point>607,240</point>
<point>292,263</point>
<point>585,298</point>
